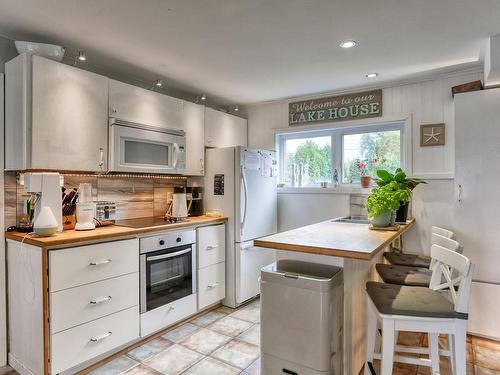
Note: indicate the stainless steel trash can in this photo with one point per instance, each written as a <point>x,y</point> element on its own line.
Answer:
<point>301,318</point>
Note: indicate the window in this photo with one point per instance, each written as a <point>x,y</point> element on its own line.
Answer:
<point>308,158</point>
<point>369,152</point>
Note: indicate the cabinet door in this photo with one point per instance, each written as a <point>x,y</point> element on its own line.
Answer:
<point>224,130</point>
<point>194,125</point>
<point>69,117</point>
<point>138,105</point>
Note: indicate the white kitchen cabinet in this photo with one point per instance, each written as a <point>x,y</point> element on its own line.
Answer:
<point>87,341</point>
<point>75,304</point>
<point>56,116</point>
<point>75,266</point>
<point>224,130</point>
<point>476,209</point>
<point>145,107</point>
<point>211,243</point>
<point>211,285</point>
<point>194,125</point>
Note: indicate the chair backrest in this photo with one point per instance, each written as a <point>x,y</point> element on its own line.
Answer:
<point>445,242</point>
<point>443,232</point>
<point>446,265</point>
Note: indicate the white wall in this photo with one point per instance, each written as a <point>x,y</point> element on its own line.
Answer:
<point>428,101</point>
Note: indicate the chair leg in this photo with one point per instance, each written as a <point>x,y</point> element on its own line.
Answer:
<point>388,344</point>
<point>451,348</point>
<point>434,352</point>
<point>371,337</point>
<point>460,345</point>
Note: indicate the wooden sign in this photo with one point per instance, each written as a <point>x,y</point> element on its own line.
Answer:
<point>336,108</point>
<point>432,135</point>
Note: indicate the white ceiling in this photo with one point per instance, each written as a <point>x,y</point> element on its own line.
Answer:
<point>244,51</point>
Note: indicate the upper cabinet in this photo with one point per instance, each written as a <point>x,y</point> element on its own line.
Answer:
<point>194,125</point>
<point>145,107</point>
<point>56,116</point>
<point>224,130</point>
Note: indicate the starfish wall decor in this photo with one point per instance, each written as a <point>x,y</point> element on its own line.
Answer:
<point>432,135</point>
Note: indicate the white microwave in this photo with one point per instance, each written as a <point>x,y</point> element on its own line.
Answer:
<point>146,149</point>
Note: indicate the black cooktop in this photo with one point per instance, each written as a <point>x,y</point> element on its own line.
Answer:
<point>145,222</point>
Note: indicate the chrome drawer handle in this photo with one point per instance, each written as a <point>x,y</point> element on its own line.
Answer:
<point>101,337</point>
<point>211,286</point>
<point>210,247</point>
<point>100,262</point>
<point>98,300</point>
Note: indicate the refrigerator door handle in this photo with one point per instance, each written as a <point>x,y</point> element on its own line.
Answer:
<point>245,189</point>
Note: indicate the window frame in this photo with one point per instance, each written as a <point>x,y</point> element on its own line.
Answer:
<point>337,141</point>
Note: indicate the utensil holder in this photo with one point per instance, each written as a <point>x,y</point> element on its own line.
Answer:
<point>69,221</point>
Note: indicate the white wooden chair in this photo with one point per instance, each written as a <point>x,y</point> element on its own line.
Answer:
<point>417,260</point>
<point>415,276</point>
<point>428,310</point>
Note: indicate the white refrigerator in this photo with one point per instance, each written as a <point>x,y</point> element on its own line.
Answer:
<point>477,203</point>
<point>241,183</point>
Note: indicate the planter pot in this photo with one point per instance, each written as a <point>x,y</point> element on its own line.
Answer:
<point>402,213</point>
<point>365,181</point>
<point>382,220</point>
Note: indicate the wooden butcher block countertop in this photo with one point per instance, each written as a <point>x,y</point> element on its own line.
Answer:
<point>339,239</point>
<point>72,237</point>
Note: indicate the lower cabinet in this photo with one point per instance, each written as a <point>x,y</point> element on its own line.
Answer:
<point>79,344</point>
<point>74,305</point>
<point>211,285</point>
<point>211,242</point>
<point>79,304</point>
<point>162,317</point>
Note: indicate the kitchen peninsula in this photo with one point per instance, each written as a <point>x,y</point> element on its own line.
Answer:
<point>356,249</point>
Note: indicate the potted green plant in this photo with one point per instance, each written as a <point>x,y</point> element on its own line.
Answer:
<point>404,183</point>
<point>382,203</point>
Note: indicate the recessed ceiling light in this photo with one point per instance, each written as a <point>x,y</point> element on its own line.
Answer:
<point>203,97</point>
<point>158,83</point>
<point>236,108</point>
<point>81,56</point>
<point>371,75</point>
<point>348,44</point>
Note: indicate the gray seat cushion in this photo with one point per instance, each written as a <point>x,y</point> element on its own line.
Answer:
<point>411,301</point>
<point>409,260</point>
<point>403,275</point>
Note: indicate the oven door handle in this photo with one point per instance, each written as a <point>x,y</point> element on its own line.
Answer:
<point>166,256</point>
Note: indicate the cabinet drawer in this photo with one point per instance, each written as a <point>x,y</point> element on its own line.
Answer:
<point>166,315</point>
<point>211,245</point>
<point>77,345</point>
<point>211,284</point>
<point>86,264</point>
<point>72,307</point>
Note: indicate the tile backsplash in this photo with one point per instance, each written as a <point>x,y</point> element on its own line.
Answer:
<point>134,197</point>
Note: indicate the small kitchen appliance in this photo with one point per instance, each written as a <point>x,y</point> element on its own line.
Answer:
<point>85,208</point>
<point>145,149</point>
<point>105,213</point>
<point>46,186</point>
<point>179,206</point>
<point>195,201</point>
<point>46,223</point>
<point>167,279</point>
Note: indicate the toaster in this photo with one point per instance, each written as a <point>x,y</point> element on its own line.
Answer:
<point>105,213</point>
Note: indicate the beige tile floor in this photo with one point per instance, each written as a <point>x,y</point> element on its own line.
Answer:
<point>226,342</point>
